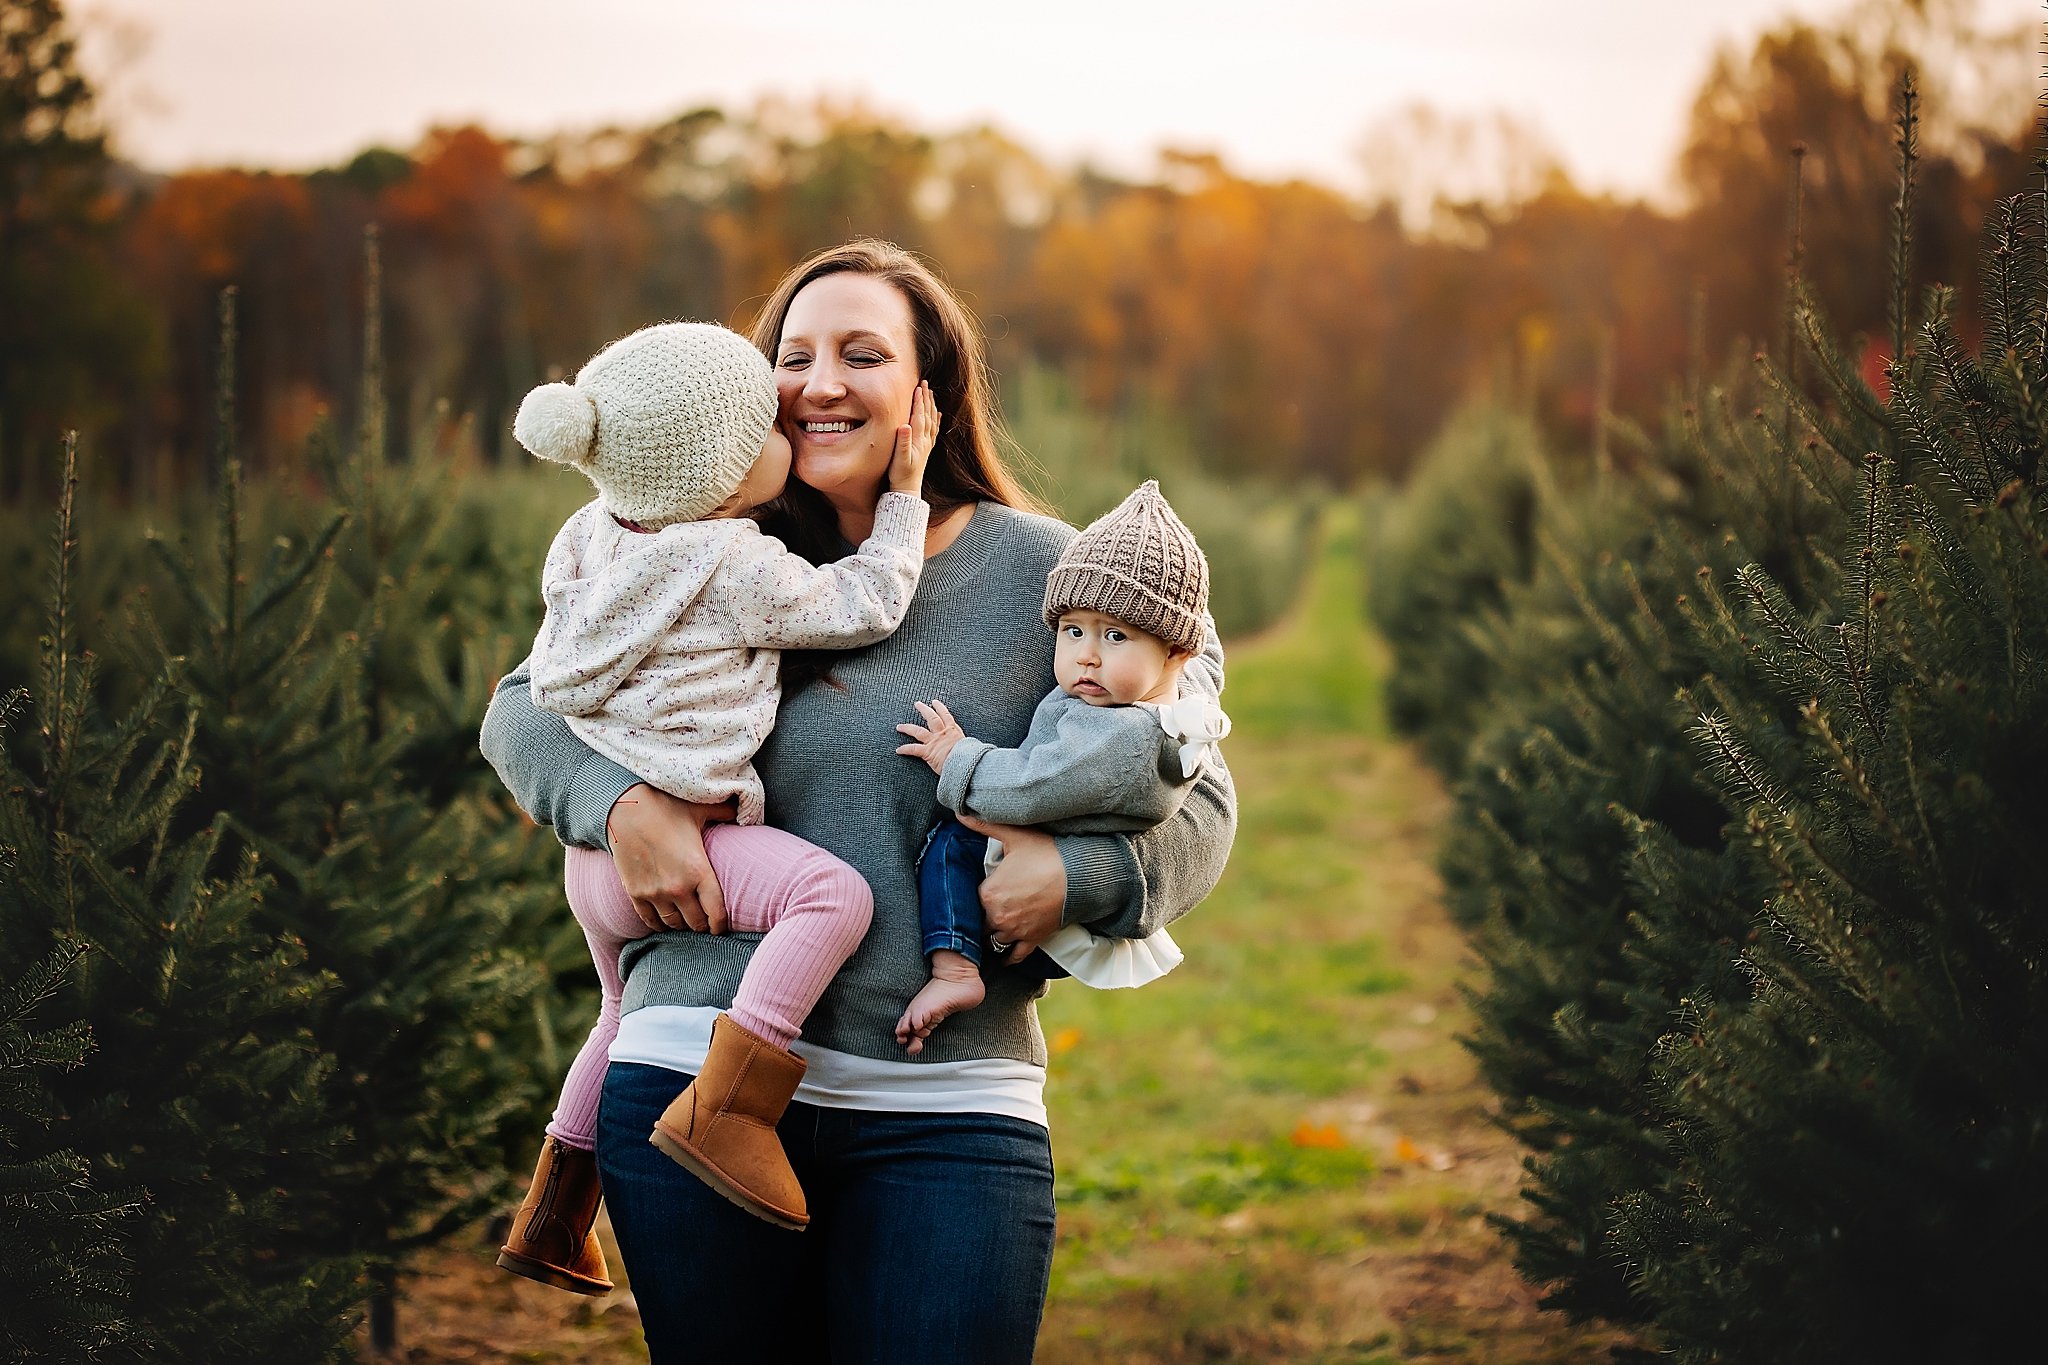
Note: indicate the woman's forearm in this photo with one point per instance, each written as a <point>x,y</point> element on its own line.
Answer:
<point>1128,886</point>
<point>555,777</point>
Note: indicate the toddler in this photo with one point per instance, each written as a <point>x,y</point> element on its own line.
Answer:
<point>1113,748</point>
<point>665,611</point>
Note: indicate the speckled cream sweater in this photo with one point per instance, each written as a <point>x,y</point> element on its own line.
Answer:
<point>662,648</point>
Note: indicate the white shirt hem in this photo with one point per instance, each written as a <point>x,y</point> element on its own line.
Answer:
<point>678,1036</point>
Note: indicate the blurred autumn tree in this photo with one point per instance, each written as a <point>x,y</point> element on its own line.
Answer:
<point>71,338</point>
<point>1287,328</point>
<point>1828,90</point>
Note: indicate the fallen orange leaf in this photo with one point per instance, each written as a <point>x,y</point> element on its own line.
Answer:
<point>1308,1135</point>
<point>1064,1040</point>
<point>1406,1150</point>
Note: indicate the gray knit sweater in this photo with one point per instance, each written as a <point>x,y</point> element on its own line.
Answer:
<point>975,639</point>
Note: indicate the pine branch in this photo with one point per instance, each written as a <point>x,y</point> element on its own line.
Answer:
<point>1916,788</point>
<point>183,775</point>
<point>1801,663</point>
<point>370,445</point>
<point>1716,625</point>
<point>1790,821</point>
<point>1617,644</point>
<point>1851,767</point>
<point>276,587</point>
<point>2019,391</point>
<point>57,646</point>
<point>1960,385</point>
<point>30,991</point>
<point>1647,617</point>
<point>1871,528</point>
<point>1761,469</point>
<point>1734,766</point>
<point>2012,280</point>
<point>1795,266</point>
<point>1842,378</point>
<point>1924,442</point>
<point>150,796</point>
<point>184,575</point>
<point>1908,126</point>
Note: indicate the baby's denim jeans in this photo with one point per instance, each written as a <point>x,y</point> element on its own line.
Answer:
<point>949,874</point>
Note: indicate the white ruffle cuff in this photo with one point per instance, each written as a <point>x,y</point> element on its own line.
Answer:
<point>1110,964</point>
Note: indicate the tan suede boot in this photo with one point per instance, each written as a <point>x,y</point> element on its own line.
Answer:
<point>722,1128</point>
<point>551,1238</point>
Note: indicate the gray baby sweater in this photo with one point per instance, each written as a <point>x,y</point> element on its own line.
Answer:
<point>1081,770</point>
<point>974,638</point>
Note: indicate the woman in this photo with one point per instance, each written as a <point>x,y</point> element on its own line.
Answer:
<point>929,1181</point>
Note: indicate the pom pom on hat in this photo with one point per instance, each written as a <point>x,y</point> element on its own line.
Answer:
<point>558,422</point>
<point>1139,563</point>
<point>665,422</point>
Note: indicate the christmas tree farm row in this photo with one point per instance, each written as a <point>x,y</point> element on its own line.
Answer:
<point>1748,734</point>
<point>271,951</point>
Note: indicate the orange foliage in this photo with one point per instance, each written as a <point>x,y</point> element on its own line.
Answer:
<point>207,223</point>
<point>1287,328</point>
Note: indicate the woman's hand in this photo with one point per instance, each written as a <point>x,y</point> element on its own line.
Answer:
<point>914,442</point>
<point>658,844</point>
<point>1022,899</point>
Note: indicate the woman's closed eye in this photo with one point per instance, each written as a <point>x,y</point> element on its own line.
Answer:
<point>800,360</point>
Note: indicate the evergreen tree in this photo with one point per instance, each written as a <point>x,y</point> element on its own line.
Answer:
<point>1582,744</point>
<point>1864,1128</point>
<point>394,890</point>
<point>62,1255</point>
<point>1744,843</point>
<point>447,601</point>
<point>202,1099</point>
<point>1461,538</point>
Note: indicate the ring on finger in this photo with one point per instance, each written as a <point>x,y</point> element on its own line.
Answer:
<point>999,946</point>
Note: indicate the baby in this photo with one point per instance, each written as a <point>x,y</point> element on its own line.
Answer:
<point>666,609</point>
<point>1113,748</point>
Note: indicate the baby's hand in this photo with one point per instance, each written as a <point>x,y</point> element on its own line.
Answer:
<point>935,738</point>
<point>914,442</point>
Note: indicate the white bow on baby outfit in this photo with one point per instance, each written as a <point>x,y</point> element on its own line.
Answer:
<point>1198,724</point>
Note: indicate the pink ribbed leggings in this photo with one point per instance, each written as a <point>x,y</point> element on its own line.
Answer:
<point>813,907</point>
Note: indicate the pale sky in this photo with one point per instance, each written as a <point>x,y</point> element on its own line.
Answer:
<point>1283,87</point>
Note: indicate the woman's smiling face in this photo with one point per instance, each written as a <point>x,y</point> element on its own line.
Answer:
<point>845,371</point>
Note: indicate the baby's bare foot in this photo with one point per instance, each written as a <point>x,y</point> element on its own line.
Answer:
<point>955,986</point>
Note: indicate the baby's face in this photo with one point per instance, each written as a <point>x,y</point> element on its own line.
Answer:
<point>1106,662</point>
<point>765,480</point>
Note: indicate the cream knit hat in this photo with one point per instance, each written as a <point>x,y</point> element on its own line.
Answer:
<point>666,422</point>
<point>1140,564</point>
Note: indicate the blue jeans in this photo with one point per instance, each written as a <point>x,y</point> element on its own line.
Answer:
<point>930,1239</point>
<point>949,874</point>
